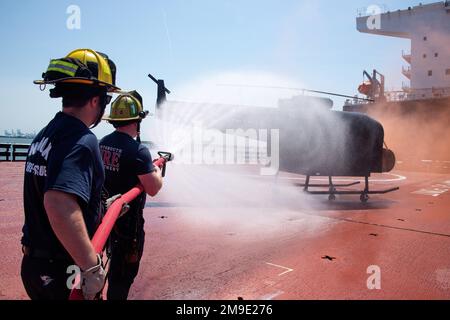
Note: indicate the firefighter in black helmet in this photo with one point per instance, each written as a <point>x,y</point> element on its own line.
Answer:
<point>63,180</point>
<point>127,163</point>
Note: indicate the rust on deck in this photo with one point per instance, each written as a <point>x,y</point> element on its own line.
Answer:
<point>228,234</point>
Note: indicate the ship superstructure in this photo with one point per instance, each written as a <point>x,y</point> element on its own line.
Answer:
<point>427,61</point>
<point>417,118</point>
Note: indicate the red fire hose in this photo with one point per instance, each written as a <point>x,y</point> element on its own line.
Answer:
<point>104,229</point>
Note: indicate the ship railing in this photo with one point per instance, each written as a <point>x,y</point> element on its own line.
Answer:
<point>406,86</point>
<point>13,151</point>
<point>355,101</point>
<point>406,53</point>
<point>392,96</point>
<point>371,10</point>
<point>406,69</point>
<point>429,93</point>
<point>408,94</point>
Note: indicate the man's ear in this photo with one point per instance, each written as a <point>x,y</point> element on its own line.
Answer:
<point>94,101</point>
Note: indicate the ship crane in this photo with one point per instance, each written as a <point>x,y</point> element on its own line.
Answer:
<point>373,86</point>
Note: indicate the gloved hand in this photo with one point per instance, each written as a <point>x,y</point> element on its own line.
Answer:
<point>93,280</point>
<point>110,201</point>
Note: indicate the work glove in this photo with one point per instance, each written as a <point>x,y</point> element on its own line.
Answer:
<point>110,201</point>
<point>93,280</point>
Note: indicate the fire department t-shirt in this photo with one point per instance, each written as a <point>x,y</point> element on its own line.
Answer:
<point>124,160</point>
<point>64,156</point>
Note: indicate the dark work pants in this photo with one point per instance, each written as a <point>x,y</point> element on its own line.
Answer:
<point>126,254</point>
<point>45,279</point>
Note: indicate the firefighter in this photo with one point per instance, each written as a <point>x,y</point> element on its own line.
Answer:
<point>127,162</point>
<point>63,180</point>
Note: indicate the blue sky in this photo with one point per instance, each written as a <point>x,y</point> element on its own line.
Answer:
<point>314,43</point>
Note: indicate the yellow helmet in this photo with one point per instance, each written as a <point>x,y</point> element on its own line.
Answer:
<point>127,107</point>
<point>82,66</point>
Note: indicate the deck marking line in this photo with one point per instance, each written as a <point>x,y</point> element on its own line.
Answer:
<point>397,178</point>
<point>271,296</point>
<point>435,190</point>
<point>278,266</point>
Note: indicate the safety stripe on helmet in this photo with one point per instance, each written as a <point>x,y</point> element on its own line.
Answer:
<point>64,67</point>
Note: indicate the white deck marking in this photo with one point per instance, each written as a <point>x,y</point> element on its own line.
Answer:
<point>435,190</point>
<point>436,163</point>
<point>271,296</point>
<point>278,266</point>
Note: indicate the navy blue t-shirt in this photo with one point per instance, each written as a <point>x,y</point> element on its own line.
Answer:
<point>124,160</point>
<point>64,156</point>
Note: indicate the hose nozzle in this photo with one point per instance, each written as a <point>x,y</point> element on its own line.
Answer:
<point>166,155</point>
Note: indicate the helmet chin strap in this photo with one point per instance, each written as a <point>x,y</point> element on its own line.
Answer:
<point>142,115</point>
<point>99,118</point>
<point>103,103</point>
<point>138,129</point>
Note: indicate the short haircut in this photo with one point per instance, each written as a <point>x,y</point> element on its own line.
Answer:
<point>74,101</point>
<point>75,95</point>
<point>119,124</point>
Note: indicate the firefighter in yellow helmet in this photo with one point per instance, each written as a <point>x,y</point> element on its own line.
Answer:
<point>127,162</point>
<point>63,180</point>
